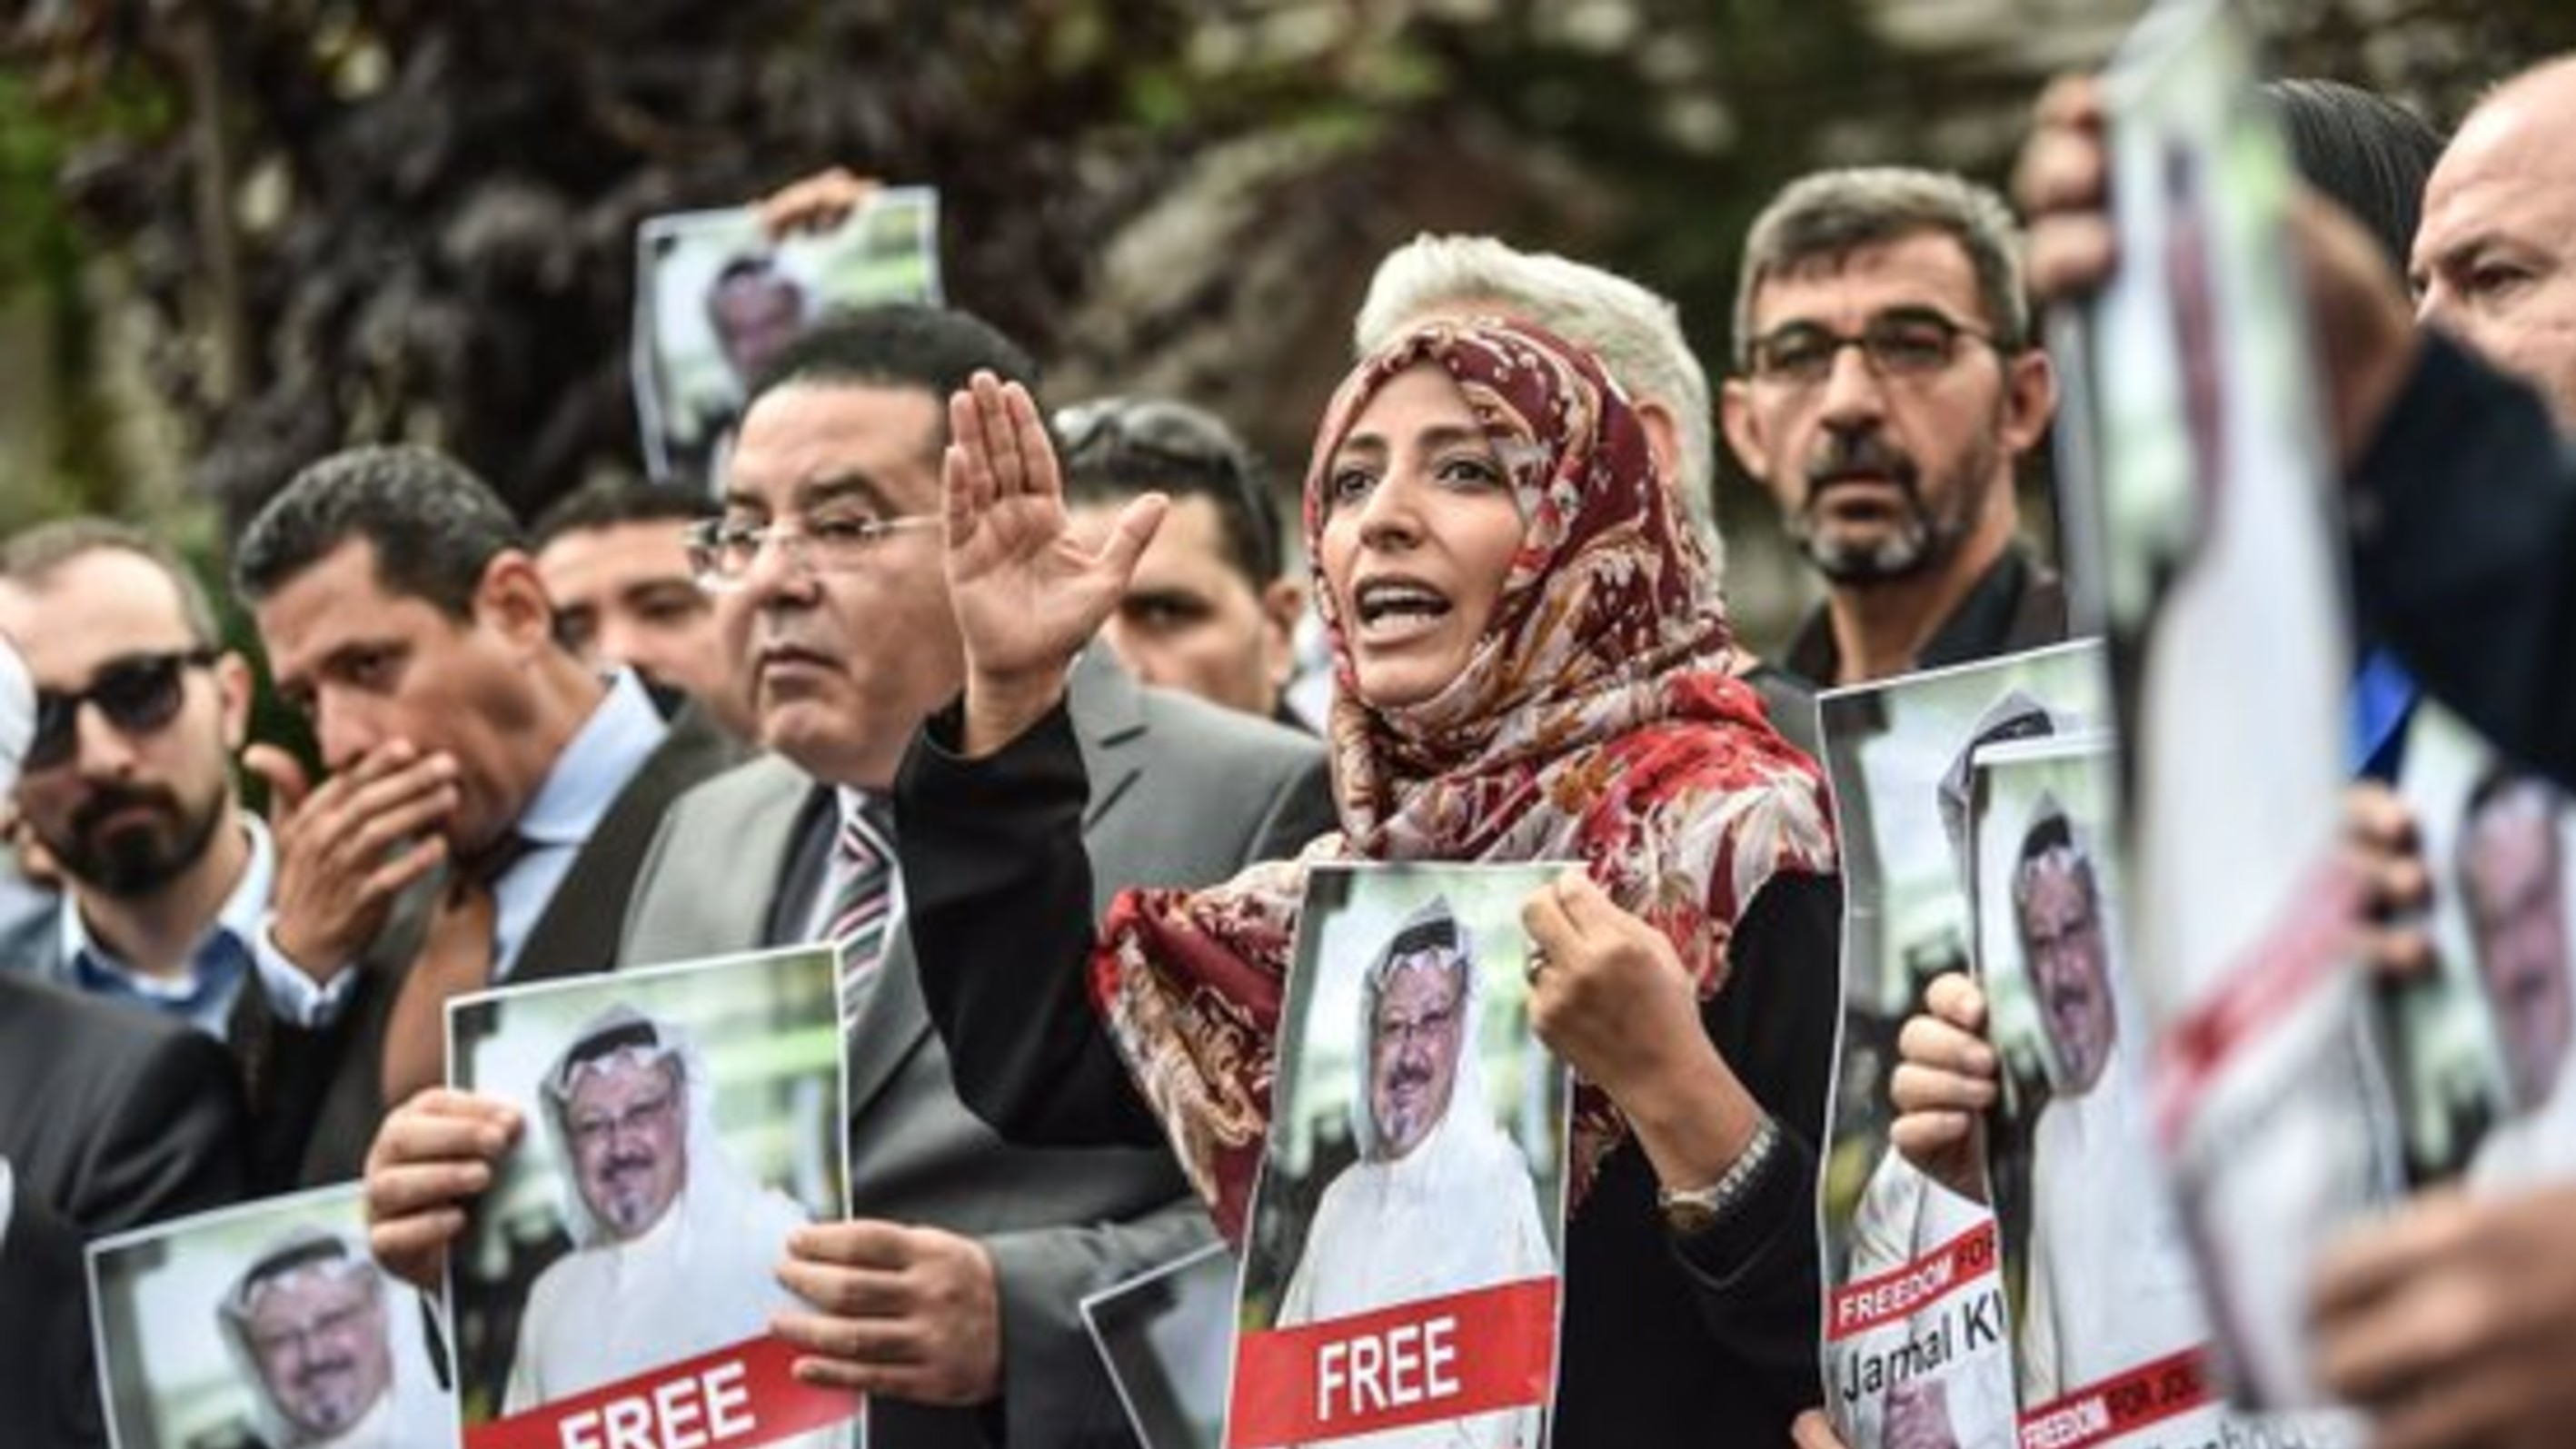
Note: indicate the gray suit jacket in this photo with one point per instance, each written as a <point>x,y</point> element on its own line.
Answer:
<point>1182,793</point>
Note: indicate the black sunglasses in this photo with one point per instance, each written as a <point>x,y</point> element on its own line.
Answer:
<point>138,694</point>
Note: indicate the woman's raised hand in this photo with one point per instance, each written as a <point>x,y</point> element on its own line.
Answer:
<point>1028,590</point>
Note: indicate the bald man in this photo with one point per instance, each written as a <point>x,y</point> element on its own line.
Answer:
<point>2495,258</point>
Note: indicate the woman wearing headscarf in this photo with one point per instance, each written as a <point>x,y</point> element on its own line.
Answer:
<point>1530,665</point>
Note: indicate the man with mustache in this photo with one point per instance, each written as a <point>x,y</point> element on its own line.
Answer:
<point>674,1246</point>
<point>128,782</point>
<point>952,1296</point>
<point>1440,1200</point>
<point>308,1321</point>
<point>1886,388</point>
<point>109,1118</point>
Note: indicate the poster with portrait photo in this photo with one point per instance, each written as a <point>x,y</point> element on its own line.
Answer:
<point>2478,1044</point>
<point>2110,1334</point>
<point>619,1277</point>
<point>265,1326</point>
<point>717,298</point>
<point>1167,1339</point>
<point>1915,1344</point>
<point>2230,658</point>
<point>1401,1262</point>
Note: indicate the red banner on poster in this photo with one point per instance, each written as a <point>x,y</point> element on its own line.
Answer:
<point>1416,1363</point>
<point>2099,1413</point>
<point>734,1398</point>
<point>1902,1291</point>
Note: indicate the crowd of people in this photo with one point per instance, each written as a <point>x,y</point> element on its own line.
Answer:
<point>999,702</point>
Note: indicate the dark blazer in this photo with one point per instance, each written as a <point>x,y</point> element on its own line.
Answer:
<point>48,1386</point>
<point>2463,515</point>
<point>316,1097</point>
<point>1182,793</point>
<point>110,1117</point>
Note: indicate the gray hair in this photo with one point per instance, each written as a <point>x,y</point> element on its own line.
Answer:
<point>1831,214</point>
<point>1636,334</point>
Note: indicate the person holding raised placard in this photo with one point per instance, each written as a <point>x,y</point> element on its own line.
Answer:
<point>1530,665</point>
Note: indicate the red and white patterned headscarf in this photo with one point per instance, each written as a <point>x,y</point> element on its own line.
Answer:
<point>1595,720</point>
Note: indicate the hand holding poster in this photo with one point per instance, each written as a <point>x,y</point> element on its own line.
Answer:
<point>266,1324</point>
<point>620,1276</point>
<point>718,297</point>
<point>1400,1280</point>
<point>1916,1344</point>
<point>2230,659</point>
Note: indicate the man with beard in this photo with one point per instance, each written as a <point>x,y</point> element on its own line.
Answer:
<point>109,1118</point>
<point>128,783</point>
<point>674,1247</point>
<point>1886,389</point>
<point>309,1323</point>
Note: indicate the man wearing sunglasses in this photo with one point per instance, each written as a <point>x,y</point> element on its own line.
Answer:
<point>109,1118</point>
<point>128,781</point>
<point>1209,609</point>
<point>1886,388</point>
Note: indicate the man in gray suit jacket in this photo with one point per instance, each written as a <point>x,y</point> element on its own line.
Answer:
<point>952,1299</point>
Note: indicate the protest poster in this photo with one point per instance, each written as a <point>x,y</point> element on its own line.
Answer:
<point>616,1283</point>
<point>264,1324</point>
<point>717,298</point>
<point>1166,1337</point>
<point>1400,1279</point>
<point>1915,1336</point>
<point>2478,1044</point>
<point>2230,658</point>
<point>2109,1332</point>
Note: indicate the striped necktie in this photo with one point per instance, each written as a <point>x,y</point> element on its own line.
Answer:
<point>862,899</point>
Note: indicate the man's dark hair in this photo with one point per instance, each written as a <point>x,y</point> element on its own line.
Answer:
<point>609,502</point>
<point>2364,151</point>
<point>1115,448</point>
<point>35,555</point>
<point>899,345</point>
<point>434,525</point>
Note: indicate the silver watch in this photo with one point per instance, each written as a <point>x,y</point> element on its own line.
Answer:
<point>1690,1210</point>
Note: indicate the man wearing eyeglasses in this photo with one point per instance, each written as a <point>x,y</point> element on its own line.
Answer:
<point>1886,389</point>
<point>1209,609</point>
<point>952,1298</point>
<point>128,780</point>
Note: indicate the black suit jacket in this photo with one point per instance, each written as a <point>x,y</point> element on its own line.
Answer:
<point>110,1117</point>
<point>316,1097</point>
<point>2464,552</point>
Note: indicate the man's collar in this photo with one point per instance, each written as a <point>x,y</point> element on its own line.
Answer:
<point>240,917</point>
<point>594,765</point>
<point>2011,606</point>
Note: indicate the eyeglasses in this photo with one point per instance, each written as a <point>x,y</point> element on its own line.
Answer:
<point>137,694</point>
<point>723,550</point>
<point>1909,344</point>
<point>1142,442</point>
